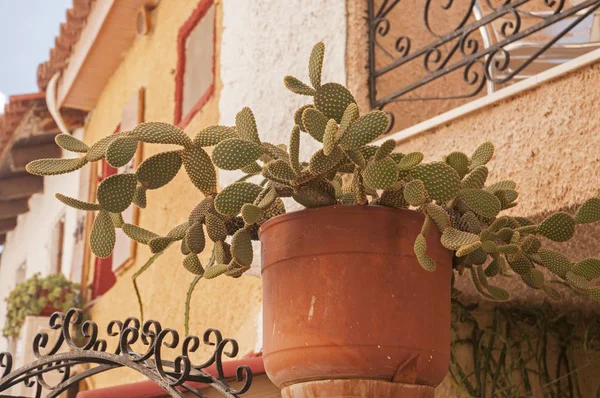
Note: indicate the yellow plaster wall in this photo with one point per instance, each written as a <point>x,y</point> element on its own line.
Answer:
<point>231,305</point>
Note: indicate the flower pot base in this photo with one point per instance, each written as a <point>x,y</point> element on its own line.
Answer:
<point>351,388</point>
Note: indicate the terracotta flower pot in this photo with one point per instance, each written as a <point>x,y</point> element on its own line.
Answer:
<point>346,302</point>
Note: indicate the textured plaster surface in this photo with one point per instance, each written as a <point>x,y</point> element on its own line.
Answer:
<point>230,305</point>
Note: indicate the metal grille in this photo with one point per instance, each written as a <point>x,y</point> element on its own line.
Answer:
<point>492,44</point>
<point>173,376</point>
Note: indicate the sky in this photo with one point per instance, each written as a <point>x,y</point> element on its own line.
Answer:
<point>27,31</point>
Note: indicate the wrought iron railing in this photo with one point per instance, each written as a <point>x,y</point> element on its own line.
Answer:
<point>480,46</point>
<point>173,376</point>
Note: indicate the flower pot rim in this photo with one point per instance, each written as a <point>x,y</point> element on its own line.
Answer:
<point>337,209</point>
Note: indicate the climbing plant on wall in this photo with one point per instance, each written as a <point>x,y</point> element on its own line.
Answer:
<point>523,352</point>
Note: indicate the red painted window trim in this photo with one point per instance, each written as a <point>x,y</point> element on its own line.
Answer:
<point>179,119</point>
<point>104,276</point>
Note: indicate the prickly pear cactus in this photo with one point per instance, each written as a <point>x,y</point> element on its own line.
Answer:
<point>453,193</point>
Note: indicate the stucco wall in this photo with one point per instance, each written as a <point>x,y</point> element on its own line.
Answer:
<point>257,44</point>
<point>30,242</point>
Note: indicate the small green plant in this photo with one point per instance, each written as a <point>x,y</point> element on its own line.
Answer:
<point>347,170</point>
<point>34,295</point>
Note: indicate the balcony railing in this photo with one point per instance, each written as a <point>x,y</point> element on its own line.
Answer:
<point>453,51</point>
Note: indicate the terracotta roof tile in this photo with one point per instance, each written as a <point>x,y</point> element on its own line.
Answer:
<point>76,17</point>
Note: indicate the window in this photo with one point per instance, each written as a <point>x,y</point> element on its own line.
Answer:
<point>194,80</point>
<point>425,60</point>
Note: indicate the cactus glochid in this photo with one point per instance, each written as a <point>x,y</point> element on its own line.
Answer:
<point>346,170</point>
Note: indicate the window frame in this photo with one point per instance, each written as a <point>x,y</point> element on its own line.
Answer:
<point>184,32</point>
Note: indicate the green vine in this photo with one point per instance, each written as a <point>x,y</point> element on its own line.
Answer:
<point>521,352</point>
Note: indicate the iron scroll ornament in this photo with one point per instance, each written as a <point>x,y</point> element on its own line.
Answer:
<point>462,49</point>
<point>172,376</point>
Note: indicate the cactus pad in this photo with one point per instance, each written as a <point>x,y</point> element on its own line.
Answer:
<point>178,232</point>
<point>139,197</point>
<point>194,238</point>
<point>454,239</point>
<point>317,194</point>
<point>201,209</point>
<point>280,170</point>
<point>70,143</point>
<point>330,137</point>
<point>469,222</point>
<point>192,263</point>
<point>102,236</point>
<point>251,213</point>
<point>212,135</point>
<point>577,281</point>
<point>158,170</point>
<point>393,199</point>
<point>438,215</point>
<point>588,212</point>
<point>441,181</point>
<point>356,157</point>
<point>246,125</point>
<point>77,204</point>
<point>241,247</point>
<point>589,268</point>
<point>558,227</point>
<point>120,151</point>
<point>98,150</point>
<point>215,227</point>
<point>415,193</point>
<point>459,162</point>
<point>420,248</point>
<point>222,252</point>
<point>552,293</point>
<point>468,249</point>
<point>200,170</point>
<point>332,99</point>
<point>115,193</point>
<point>159,244</point>
<point>215,270</point>
<point>476,178</point>
<point>138,234</point>
<point>555,262</point>
<point>385,149</point>
<point>481,202</point>
<point>364,130</point>
<point>410,161</point>
<point>161,133</point>
<point>229,202</point>
<point>314,123</point>
<point>321,163</point>
<point>298,116</point>
<point>297,87</point>
<point>520,264</point>
<point>117,219</point>
<point>350,115</point>
<point>50,167</point>
<point>295,149</point>
<point>235,153</point>
<point>482,155</point>
<point>315,64</point>
<point>535,279</point>
<point>380,174</point>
